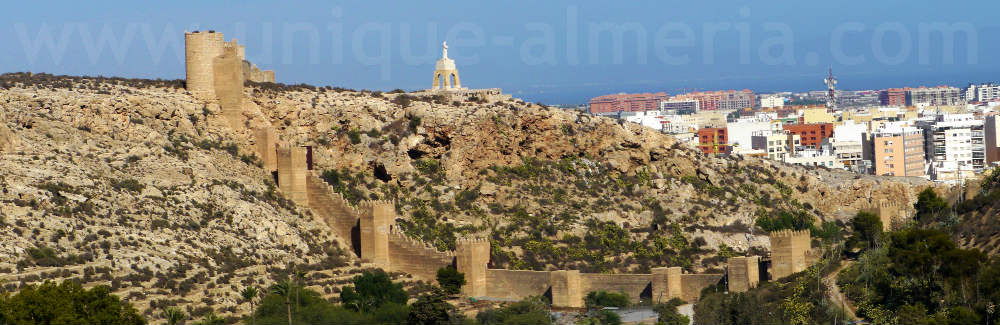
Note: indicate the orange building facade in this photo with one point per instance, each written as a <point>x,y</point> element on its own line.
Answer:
<point>899,153</point>
<point>811,134</point>
<point>713,140</point>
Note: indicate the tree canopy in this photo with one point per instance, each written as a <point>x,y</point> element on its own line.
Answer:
<point>370,291</point>
<point>66,303</point>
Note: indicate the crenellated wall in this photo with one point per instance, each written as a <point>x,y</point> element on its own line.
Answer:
<point>692,284</point>
<point>414,257</point>
<point>332,207</point>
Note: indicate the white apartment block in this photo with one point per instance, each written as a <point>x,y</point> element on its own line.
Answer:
<point>772,101</point>
<point>777,144</point>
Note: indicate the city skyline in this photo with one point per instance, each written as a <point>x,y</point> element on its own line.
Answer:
<point>559,52</point>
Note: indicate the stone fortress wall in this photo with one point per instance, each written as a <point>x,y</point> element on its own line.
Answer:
<point>371,232</point>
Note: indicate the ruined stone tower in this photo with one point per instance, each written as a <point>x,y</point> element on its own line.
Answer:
<point>201,51</point>
<point>788,252</point>
<point>266,143</point>
<point>472,255</point>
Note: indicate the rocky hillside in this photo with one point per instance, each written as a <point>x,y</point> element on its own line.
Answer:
<point>131,183</point>
<point>540,181</point>
<point>135,183</point>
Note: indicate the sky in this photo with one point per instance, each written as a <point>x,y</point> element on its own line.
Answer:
<point>553,51</point>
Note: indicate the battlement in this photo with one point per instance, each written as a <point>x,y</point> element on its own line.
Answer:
<point>788,233</point>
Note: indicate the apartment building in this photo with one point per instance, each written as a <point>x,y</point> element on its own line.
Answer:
<point>812,134</point>
<point>956,145</point>
<point>626,103</point>
<point>721,100</point>
<point>933,96</point>
<point>896,151</point>
<point>778,144</point>
<point>892,97</point>
<point>713,141</point>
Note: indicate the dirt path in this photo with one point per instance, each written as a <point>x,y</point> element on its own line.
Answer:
<point>834,293</point>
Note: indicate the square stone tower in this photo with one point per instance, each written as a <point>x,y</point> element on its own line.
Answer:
<point>292,171</point>
<point>566,291</point>
<point>376,218</point>
<point>200,49</point>
<point>788,252</point>
<point>472,256</point>
<point>667,283</point>
<point>744,273</point>
<point>266,142</point>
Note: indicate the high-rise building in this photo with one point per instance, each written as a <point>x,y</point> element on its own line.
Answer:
<point>892,97</point>
<point>626,103</point>
<point>722,100</point>
<point>933,96</point>
<point>897,151</point>
<point>955,144</point>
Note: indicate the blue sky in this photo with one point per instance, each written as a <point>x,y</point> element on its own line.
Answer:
<point>549,51</point>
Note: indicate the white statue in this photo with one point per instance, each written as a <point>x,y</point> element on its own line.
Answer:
<point>444,52</point>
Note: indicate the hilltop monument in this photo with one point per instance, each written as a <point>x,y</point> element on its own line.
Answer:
<point>446,69</point>
<point>447,83</point>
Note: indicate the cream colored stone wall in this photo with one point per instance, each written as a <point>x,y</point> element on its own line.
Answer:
<point>266,141</point>
<point>516,284</point>
<point>631,285</point>
<point>666,284</point>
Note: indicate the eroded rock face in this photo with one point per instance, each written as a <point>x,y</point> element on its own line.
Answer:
<point>8,142</point>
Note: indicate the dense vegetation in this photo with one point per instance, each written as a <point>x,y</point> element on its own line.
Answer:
<point>918,275</point>
<point>797,299</point>
<point>66,303</point>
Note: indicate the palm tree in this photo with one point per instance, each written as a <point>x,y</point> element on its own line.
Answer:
<point>173,315</point>
<point>300,277</point>
<point>248,294</point>
<point>284,288</point>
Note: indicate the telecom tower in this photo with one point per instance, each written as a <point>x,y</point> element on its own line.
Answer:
<point>831,88</point>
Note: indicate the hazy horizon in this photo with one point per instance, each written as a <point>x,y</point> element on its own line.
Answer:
<point>557,52</point>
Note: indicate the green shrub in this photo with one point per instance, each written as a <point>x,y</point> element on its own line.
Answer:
<point>598,299</point>
<point>450,280</point>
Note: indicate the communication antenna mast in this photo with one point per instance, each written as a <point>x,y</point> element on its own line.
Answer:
<point>831,88</point>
